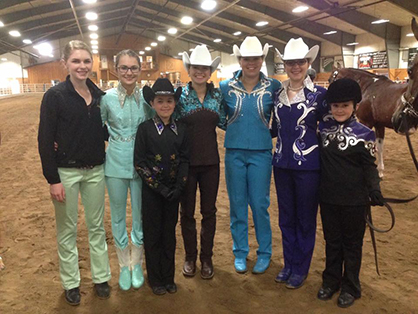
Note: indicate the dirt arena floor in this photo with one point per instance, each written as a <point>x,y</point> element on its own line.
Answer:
<point>30,282</point>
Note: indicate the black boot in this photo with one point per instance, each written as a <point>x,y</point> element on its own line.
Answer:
<point>326,293</point>
<point>102,290</point>
<point>72,296</point>
<point>345,300</point>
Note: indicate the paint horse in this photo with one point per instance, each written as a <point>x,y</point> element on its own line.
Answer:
<point>382,98</point>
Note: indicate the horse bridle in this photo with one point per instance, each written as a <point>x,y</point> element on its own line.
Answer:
<point>408,107</point>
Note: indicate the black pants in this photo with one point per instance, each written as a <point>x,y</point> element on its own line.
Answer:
<point>208,179</point>
<point>344,228</point>
<point>159,226</point>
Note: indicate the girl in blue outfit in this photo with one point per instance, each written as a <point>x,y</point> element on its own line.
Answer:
<point>248,101</point>
<point>123,109</point>
<point>201,110</point>
<point>298,107</point>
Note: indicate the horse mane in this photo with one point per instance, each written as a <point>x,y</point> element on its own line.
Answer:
<point>364,72</point>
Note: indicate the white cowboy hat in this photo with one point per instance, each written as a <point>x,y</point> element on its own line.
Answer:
<point>251,47</point>
<point>200,56</point>
<point>297,49</point>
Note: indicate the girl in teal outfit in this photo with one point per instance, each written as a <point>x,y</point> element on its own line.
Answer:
<point>123,109</point>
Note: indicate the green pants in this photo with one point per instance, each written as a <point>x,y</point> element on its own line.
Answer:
<point>90,184</point>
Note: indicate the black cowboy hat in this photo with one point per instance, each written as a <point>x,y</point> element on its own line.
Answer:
<point>342,90</point>
<point>162,87</point>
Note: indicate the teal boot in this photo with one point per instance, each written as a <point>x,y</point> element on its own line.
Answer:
<point>136,264</point>
<point>125,273</point>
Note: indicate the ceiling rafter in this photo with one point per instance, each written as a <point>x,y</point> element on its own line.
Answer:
<point>354,17</point>
<point>408,5</point>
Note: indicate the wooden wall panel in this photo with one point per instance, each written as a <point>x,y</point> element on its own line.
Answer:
<point>44,73</point>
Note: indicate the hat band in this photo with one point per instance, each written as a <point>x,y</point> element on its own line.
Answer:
<point>163,92</point>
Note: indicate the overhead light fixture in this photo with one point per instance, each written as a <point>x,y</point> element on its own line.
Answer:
<point>3,59</point>
<point>208,5</point>
<point>27,41</point>
<point>95,51</point>
<point>142,52</point>
<point>410,35</point>
<point>381,21</point>
<point>186,20</point>
<point>237,33</point>
<point>14,33</point>
<point>89,1</point>
<point>1,24</point>
<point>94,42</point>
<point>217,40</point>
<point>161,38</point>
<point>95,47</point>
<point>172,31</point>
<point>91,16</point>
<point>300,9</point>
<point>330,32</point>
<point>94,36</point>
<point>154,44</point>
<point>352,44</point>
<point>180,53</point>
<point>44,49</point>
<point>262,23</point>
<point>147,48</point>
<point>93,28</point>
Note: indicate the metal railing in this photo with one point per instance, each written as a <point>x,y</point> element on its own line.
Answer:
<point>35,88</point>
<point>5,91</point>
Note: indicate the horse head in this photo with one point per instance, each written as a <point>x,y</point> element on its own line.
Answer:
<point>405,118</point>
<point>334,75</point>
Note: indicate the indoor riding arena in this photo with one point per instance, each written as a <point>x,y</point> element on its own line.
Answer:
<point>30,65</point>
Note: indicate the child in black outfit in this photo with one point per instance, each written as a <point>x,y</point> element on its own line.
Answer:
<point>349,185</point>
<point>161,159</point>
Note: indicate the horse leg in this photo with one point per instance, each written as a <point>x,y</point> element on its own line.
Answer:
<point>380,136</point>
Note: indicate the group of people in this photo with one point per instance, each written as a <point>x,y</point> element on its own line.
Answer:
<point>162,146</point>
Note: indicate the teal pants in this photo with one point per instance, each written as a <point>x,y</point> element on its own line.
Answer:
<point>248,176</point>
<point>118,196</point>
<point>90,184</point>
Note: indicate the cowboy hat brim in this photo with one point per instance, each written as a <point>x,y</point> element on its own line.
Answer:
<point>149,94</point>
<point>238,53</point>
<point>311,55</point>
<point>213,65</point>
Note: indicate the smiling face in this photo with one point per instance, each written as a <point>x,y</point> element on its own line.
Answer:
<point>128,70</point>
<point>251,66</point>
<point>164,107</point>
<point>79,65</point>
<point>296,69</point>
<point>342,111</point>
<point>199,74</point>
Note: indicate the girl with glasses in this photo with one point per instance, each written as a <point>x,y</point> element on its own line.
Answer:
<point>298,106</point>
<point>123,109</point>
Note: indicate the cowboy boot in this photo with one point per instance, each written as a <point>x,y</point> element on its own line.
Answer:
<point>136,264</point>
<point>125,273</point>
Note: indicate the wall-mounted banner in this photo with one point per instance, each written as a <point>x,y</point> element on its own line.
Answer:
<point>373,60</point>
<point>326,64</point>
<point>103,62</point>
<point>279,68</point>
<point>412,52</point>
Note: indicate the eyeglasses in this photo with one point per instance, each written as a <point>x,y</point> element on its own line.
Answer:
<point>124,69</point>
<point>292,63</point>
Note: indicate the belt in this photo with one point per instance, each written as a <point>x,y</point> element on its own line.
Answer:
<point>123,139</point>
